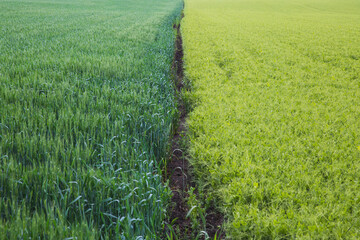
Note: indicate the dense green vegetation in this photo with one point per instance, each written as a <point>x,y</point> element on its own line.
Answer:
<point>86,109</point>
<point>275,129</point>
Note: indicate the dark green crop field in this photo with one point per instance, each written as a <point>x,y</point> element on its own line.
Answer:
<point>86,110</point>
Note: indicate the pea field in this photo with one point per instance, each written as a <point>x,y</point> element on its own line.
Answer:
<point>89,106</point>
<point>275,131</point>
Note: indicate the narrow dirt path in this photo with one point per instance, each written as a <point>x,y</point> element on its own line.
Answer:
<point>178,173</point>
<point>178,166</point>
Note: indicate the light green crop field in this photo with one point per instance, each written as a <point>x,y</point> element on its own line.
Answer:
<point>275,132</point>
<point>86,109</point>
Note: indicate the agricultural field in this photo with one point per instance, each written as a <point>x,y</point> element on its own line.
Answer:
<point>274,133</point>
<point>86,110</point>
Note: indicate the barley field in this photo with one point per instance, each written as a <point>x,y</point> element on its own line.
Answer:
<point>86,111</point>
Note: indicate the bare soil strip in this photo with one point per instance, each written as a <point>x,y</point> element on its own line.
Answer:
<point>178,172</point>
<point>178,166</point>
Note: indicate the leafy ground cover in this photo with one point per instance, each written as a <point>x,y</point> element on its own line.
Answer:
<point>86,109</point>
<point>275,129</point>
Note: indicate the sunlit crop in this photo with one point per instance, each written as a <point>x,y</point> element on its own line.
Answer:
<point>275,128</point>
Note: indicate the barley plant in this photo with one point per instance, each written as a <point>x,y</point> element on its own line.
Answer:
<point>86,109</point>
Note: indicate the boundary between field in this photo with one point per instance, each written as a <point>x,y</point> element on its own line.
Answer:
<point>178,169</point>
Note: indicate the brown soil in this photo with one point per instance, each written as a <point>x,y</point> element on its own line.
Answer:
<point>178,167</point>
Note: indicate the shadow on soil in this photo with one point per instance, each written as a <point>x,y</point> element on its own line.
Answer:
<point>178,169</point>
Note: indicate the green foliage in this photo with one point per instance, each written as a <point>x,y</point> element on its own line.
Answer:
<point>275,131</point>
<point>86,110</point>
<point>196,212</point>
